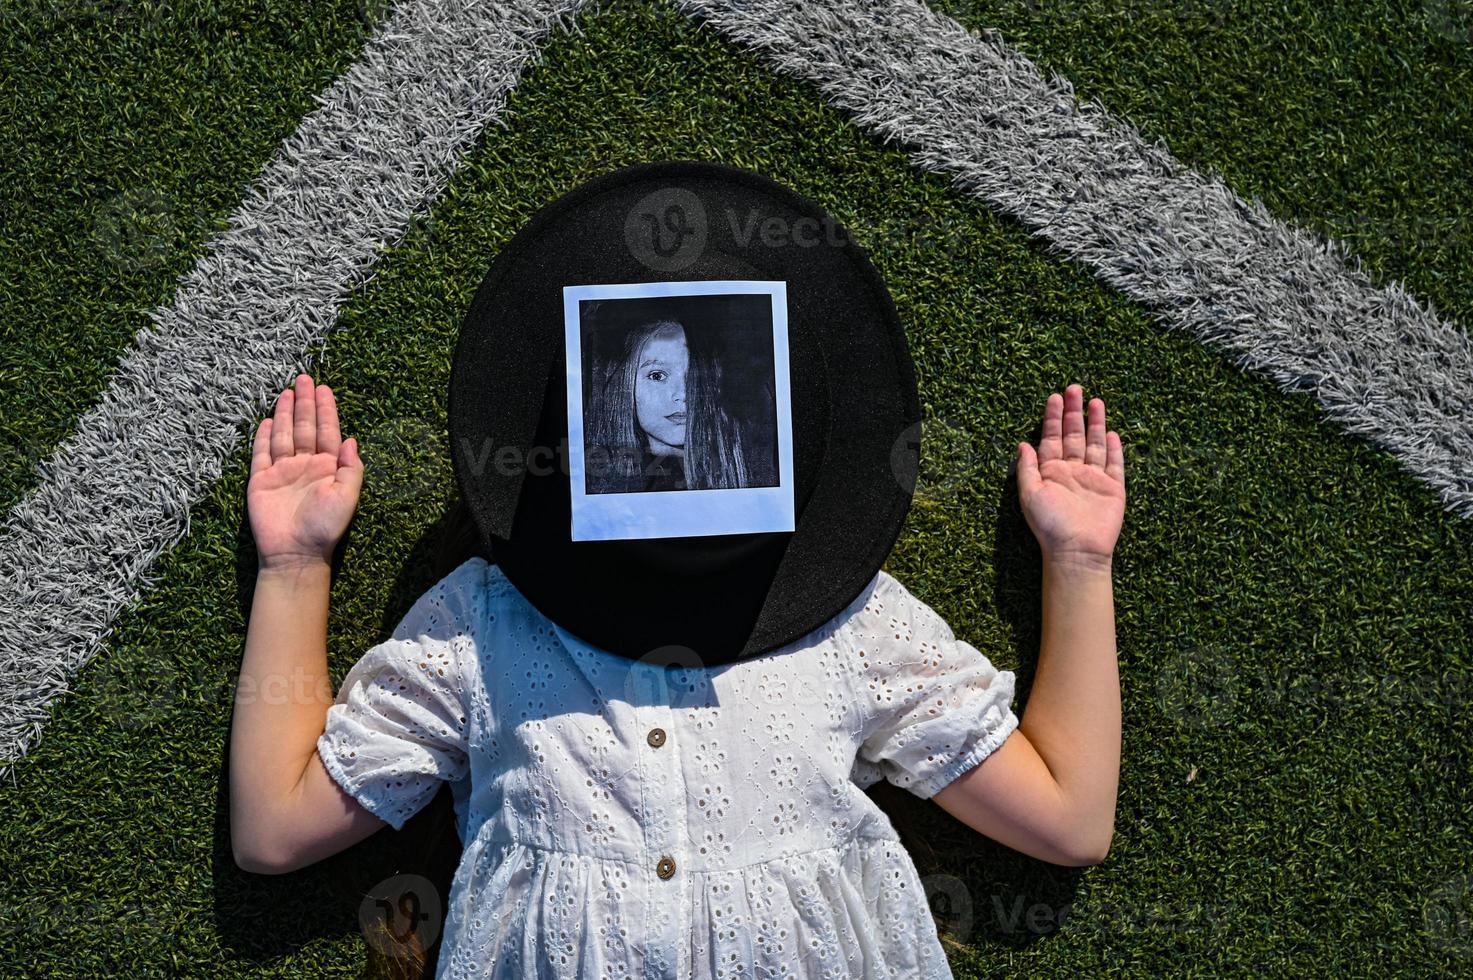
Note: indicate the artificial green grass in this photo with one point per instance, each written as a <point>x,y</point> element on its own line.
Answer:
<point>1351,119</point>
<point>128,131</point>
<point>1292,609</point>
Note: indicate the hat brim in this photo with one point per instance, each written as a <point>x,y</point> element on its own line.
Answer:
<point>711,599</point>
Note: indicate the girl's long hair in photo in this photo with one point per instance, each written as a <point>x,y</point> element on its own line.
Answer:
<point>714,457</point>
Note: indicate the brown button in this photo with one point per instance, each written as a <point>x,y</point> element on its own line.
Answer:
<point>656,737</point>
<point>666,867</point>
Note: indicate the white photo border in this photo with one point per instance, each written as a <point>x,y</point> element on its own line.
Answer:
<point>682,513</point>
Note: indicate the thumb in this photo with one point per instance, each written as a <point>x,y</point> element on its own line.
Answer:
<point>350,466</point>
<point>1027,468</point>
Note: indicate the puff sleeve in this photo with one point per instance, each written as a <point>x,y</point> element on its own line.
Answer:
<point>930,706</point>
<point>399,724</point>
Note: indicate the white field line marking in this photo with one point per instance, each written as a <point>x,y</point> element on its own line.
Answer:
<point>1274,298</point>
<point>385,140</point>
<point>389,134</point>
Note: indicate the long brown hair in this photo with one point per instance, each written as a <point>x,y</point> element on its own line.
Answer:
<point>406,959</point>
<point>428,847</point>
<point>431,841</point>
<point>714,457</point>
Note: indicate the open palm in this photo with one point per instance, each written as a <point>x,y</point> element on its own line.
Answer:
<point>305,478</point>
<point>1072,488</point>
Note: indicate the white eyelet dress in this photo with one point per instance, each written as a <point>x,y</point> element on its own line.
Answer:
<point>622,819</point>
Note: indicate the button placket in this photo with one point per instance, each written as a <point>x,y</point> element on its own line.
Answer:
<point>664,796</point>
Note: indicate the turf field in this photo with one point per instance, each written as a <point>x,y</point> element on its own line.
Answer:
<point>1293,609</point>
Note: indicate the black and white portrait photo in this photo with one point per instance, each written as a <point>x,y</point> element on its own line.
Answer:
<point>678,409</point>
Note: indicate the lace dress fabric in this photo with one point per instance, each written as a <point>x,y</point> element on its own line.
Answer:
<point>623,819</point>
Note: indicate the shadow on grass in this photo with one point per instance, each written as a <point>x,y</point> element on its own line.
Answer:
<point>983,893</point>
<point>391,888</point>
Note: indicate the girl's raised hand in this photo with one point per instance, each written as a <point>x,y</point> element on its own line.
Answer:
<point>1072,488</point>
<point>304,479</point>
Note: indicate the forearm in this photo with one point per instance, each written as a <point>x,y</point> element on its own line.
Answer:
<point>281,698</point>
<point>1073,711</point>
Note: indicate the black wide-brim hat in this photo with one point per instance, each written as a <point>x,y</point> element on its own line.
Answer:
<point>705,599</point>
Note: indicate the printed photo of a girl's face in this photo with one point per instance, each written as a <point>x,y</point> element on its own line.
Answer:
<point>659,388</point>
<point>679,394</point>
<point>679,409</point>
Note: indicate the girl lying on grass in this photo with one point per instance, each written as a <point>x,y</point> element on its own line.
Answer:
<point>787,868</point>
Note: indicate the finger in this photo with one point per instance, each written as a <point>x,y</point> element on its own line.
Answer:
<point>281,426</point>
<point>304,421</point>
<point>1094,436</point>
<point>261,448</point>
<point>1028,477</point>
<point>1051,446</point>
<point>1074,422</point>
<point>1115,458</point>
<point>329,439</point>
<point>350,467</point>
